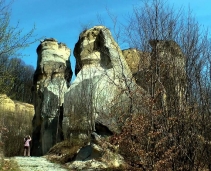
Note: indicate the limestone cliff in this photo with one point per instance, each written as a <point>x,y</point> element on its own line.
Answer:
<point>51,80</point>
<point>8,105</point>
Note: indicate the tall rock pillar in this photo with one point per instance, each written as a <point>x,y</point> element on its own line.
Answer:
<point>51,80</point>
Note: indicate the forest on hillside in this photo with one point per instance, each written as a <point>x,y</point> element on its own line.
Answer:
<point>16,79</point>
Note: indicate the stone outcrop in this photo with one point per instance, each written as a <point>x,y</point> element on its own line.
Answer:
<point>51,80</point>
<point>96,155</point>
<point>8,105</point>
<point>136,60</point>
<point>99,96</point>
<point>170,56</point>
<point>139,63</point>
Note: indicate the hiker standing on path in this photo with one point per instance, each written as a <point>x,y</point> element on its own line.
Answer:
<point>27,139</point>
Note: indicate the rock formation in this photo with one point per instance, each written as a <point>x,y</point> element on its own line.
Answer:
<point>51,80</point>
<point>100,95</point>
<point>111,84</point>
<point>166,60</point>
<point>99,154</point>
<point>15,120</point>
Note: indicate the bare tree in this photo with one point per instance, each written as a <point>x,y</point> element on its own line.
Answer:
<point>12,39</point>
<point>177,80</point>
<point>21,82</point>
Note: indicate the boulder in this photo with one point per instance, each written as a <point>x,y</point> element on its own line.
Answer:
<point>51,80</point>
<point>99,98</point>
<point>99,154</point>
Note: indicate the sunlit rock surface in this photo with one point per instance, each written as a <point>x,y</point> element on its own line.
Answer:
<point>136,60</point>
<point>139,64</point>
<point>99,95</point>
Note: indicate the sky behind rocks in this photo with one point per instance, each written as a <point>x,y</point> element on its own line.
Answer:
<point>65,19</point>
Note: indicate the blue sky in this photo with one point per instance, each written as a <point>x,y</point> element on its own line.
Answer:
<point>65,19</point>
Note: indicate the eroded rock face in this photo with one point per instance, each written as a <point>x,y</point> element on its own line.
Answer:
<point>139,63</point>
<point>51,80</point>
<point>99,96</point>
<point>170,55</point>
<point>136,60</point>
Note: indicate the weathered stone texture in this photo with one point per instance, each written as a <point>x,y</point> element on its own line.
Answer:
<point>169,56</point>
<point>99,154</point>
<point>139,63</point>
<point>51,80</point>
<point>99,94</point>
<point>136,60</point>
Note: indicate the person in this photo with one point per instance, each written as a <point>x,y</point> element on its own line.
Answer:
<point>27,140</point>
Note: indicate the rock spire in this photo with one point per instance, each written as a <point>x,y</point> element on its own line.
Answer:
<point>51,80</point>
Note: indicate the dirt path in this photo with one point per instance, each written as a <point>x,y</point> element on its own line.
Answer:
<point>37,164</point>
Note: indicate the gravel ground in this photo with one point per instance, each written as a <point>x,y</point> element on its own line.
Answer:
<point>37,164</point>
